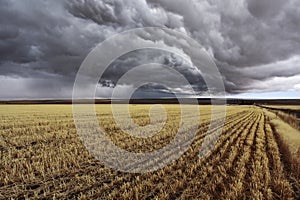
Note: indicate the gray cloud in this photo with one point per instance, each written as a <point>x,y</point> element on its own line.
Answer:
<point>266,9</point>
<point>255,43</point>
<point>141,57</point>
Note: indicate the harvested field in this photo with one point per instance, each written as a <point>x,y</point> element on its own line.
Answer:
<point>43,157</point>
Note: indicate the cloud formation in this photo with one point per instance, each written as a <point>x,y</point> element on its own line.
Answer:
<point>255,43</point>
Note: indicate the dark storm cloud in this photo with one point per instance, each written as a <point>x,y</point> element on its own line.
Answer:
<point>265,8</point>
<point>255,43</point>
<point>41,41</point>
<point>140,57</point>
<point>120,14</point>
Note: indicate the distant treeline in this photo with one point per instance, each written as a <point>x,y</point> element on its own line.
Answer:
<point>201,101</point>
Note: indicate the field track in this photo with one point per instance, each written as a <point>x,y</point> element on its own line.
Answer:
<point>42,157</point>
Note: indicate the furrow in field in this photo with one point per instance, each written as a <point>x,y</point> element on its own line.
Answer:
<point>217,173</point>
<point>259,177</point>
<point>281,187</point>
<point>228,164</point>
<point>175,172</point>
<point>200,136</point>
<point>217,150</point>
<point>126,183</point>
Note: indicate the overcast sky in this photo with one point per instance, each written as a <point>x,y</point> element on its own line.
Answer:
<point>254,43</point>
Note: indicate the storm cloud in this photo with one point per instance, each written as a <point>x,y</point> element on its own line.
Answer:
<point>254,43</point>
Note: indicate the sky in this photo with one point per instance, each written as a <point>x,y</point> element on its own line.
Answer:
<point>255,45</point>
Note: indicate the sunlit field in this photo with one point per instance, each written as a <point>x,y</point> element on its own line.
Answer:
<point>42,156</point>
<point>291,107</point>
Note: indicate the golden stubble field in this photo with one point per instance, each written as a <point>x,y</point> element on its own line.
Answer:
<point>41,156</point>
